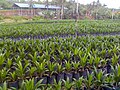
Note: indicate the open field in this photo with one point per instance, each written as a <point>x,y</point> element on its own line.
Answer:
<point>78,56</point>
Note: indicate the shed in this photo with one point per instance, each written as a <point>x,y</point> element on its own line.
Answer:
<point>20,9</point>
<point>42,6</point>
<point>20,5</point>
<point>33,9</point>
<point>38,6</point>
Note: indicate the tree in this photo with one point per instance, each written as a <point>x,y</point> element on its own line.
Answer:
<point>60,3</point>
<point>5,4</point>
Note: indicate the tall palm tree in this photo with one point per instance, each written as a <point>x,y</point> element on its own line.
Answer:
<point>62,7</point>
<point>60,3</point>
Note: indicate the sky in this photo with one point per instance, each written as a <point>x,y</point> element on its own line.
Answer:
<point>109,3</point>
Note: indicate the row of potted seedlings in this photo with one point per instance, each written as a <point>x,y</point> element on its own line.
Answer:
<point>40,30</point>
<point>103,47</point>
<point>57,59</point>
<point>53,70</point>
<point>95,80</point>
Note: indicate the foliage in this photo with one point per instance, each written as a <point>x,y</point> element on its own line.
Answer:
<point>35,58</point>
<point>43,28</point>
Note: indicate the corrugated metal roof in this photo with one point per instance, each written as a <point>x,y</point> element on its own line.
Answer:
<point>45,7</point>
<point>22,5</point>
<point>54,7</point>
<point>39,6</point>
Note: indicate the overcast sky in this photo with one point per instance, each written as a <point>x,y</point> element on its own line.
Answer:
<point>109,3</point>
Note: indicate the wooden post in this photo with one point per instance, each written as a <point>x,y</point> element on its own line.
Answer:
<point>19,11</point>
<point>112,14</point>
